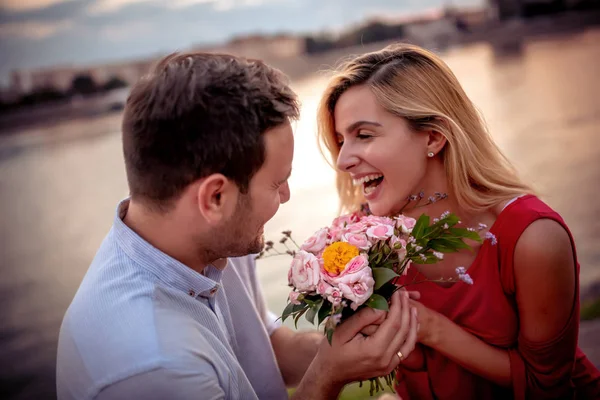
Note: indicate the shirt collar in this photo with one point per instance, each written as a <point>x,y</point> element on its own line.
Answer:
<point>167,269</point>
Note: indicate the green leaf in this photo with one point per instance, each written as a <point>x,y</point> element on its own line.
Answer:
<point>288,310</point>
<point>383,276</point>
<point>299,307</point>
<point>324,311</point>
<point>419,228</point>
<point>297,317</point>
<point>453,243</point>
<point>451,220</point>
<point>378,302</point>
<point>443,246</point>
<point>430,259</point>
<point>313,311</point>
<point>329,333</point>
<point>310,315</point>
<point>465,233</point>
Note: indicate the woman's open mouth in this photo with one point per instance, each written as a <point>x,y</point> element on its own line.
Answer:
<point>370,183</point>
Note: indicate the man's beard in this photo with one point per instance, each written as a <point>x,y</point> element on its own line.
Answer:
<point>240,235</point>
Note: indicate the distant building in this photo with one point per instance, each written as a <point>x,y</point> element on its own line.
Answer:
<point>61,78</point>
<point>262,47</point>
<point>506,9</point>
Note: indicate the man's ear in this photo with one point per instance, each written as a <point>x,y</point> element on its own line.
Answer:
<point>217,198</point>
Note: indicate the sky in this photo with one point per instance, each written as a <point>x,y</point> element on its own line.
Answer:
<point>40,33</point>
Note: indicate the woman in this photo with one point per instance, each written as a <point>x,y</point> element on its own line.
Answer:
<point>398,125</point>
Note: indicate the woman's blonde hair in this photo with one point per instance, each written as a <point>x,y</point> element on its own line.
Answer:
<point>415,84</point>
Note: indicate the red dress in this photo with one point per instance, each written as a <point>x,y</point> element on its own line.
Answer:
<point>488,310</point>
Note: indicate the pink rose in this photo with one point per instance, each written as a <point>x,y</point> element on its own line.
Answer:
<point>357,227</point>
<point>405,224</point>
<point>294,297</point>
<point>356,281</point>
<point>336,234</point>
<point>399,246</point>
<point>347,219</point>
<point>305,271</point>
<point>355,265</point>
<point>332,293</point>
<point>380,232</point>
<point>316,243</point>
<point>375,220</point>
<point>359,240</point>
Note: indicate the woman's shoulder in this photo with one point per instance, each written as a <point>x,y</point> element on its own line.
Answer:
<point>519,213</point>
<point>529,230</point>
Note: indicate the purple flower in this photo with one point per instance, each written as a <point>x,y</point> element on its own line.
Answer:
<point>463,276</point>
<point>490,236</point>
<point>466,279</point>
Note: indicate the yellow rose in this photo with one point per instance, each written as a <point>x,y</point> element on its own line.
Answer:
<point>337,255</point>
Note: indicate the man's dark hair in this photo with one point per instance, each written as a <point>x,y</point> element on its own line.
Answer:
<point>196,114</point>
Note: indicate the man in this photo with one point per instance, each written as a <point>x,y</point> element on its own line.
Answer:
<point>170,307</point>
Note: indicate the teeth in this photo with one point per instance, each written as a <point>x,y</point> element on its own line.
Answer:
<point>366,179</point>
<point>368,189</point>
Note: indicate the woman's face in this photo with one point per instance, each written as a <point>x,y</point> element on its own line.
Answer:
<point>379,151</point>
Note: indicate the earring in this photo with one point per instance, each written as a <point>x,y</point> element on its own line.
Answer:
<point>430,154</point>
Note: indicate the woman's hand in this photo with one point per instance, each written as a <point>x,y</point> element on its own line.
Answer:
<point>429,322</point>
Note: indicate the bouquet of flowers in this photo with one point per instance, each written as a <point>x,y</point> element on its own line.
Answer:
<point>354,263</point>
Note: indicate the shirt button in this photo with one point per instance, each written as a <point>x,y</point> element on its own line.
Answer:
<point>214,290</point>
<point>192,293</point>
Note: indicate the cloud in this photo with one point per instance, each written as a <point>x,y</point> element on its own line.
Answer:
<point>220,5</point>
<point>36,30</point>
<point>28,5</point>
<point>119,33</point>
<point>112,6</point>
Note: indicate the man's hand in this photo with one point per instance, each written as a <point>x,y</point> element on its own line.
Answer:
<point>369,330</point>
<point>354,357</point>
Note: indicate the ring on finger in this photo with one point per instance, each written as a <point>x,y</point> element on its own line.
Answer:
<point>400,355</point>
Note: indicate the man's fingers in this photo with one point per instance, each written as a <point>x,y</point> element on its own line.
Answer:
<point>369,330</point>
<point>411,340</point>
<point>353,325</point>
<point>393,322</point>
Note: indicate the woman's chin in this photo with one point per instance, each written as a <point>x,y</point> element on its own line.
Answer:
<point>378,209</point>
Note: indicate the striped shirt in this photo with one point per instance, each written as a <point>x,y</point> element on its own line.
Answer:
<point>143,325</point>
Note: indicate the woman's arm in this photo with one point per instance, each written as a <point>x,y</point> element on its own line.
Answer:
<point>545,280</point>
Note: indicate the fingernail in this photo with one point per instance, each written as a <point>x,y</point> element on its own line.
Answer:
<point>414,310</point>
